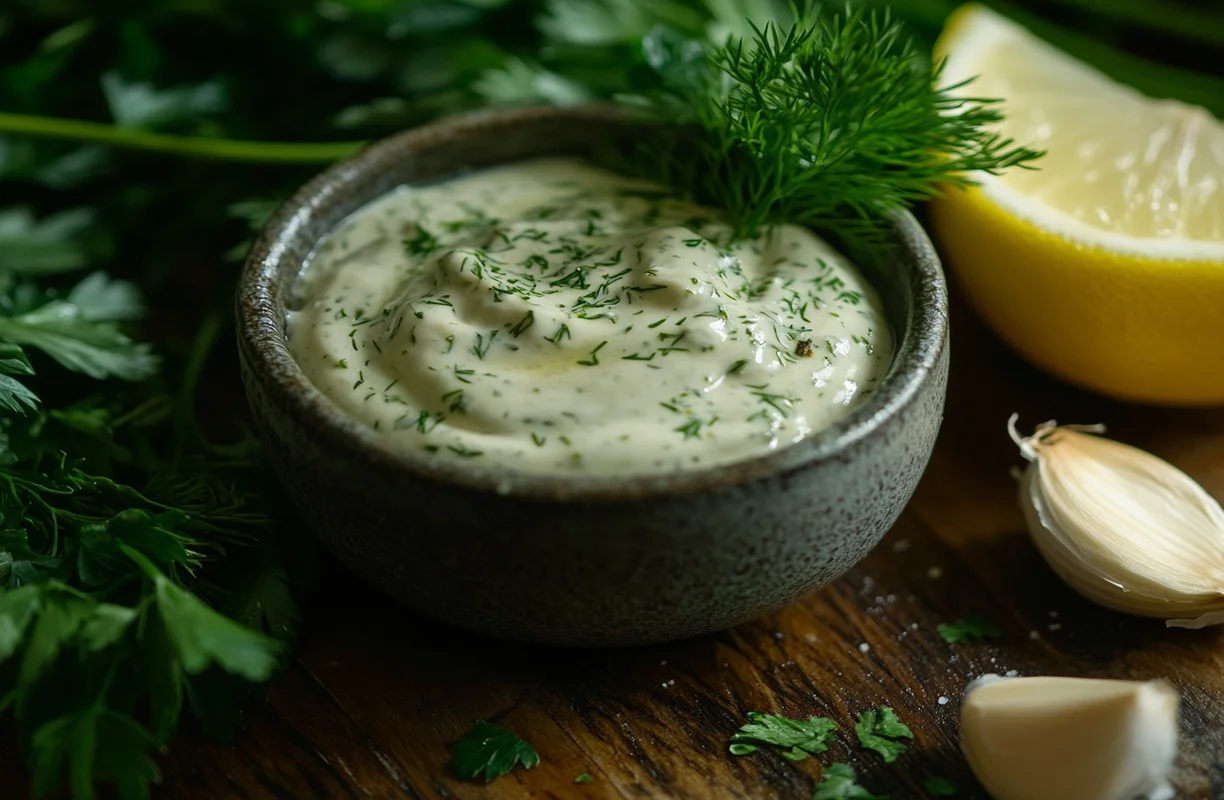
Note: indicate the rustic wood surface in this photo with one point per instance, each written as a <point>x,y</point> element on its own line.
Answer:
<point>376,695</point>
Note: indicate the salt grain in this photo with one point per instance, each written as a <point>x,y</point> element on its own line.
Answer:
<point>1057,626</point>
<point>943,701</point>
<point>864,647</point>
<point>1034,635</point>
<point>934,573</point>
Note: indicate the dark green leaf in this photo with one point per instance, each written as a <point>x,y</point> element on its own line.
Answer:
<point>202,636</point>
<point>838,783</point>
<point>105,625</point>
<point>99,298</point>
<point>263,602</point>
<point>140,105</point>
<point>17,608</point>
<point>59,619</point>
<point>879,731</point>
<point>584,778</point>
<point>795,737</point>
<point>490,751</point>
<point>940,787</point>
<point>32,247</point>
<point>15,395</point>
<point>65,332</point>
<point>971,629</point>
<point>93,744</point>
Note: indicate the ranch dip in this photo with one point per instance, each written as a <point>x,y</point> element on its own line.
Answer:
<point>552,317</point>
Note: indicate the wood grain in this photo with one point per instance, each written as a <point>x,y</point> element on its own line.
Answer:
<point>375,695</point>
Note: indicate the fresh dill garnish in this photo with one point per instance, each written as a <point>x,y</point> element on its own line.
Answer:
<point>523,324</point>
<point>421,243</point>
<point>482,344</point>
<point>827,121</point>
<point>592,360</point>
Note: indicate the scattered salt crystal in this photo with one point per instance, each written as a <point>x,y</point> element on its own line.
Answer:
<point>901,545</point>
<point>1034,635</point>
<point>879,599</point>
<point>934,573</point>
<point>663,663</point>
<point>892,598</point>
<point>811,637</point>
<point>778,635</point>
<point>864,647</point>
<point>913,626</point>
<point>1053,615</point>
<point>1057,626</point>
<point>943,701</point>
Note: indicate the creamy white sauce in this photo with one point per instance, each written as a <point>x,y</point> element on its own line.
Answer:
<point>552,317</point>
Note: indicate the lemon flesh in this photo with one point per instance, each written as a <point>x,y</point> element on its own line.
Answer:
<point>1105,265</point>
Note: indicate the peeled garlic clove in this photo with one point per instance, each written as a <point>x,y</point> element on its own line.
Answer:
<point>1124,528</point>
<point>1070,738</point>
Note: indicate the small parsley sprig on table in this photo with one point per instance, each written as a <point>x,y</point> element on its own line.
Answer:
<point>795,738</point>
<point>977,628</point>
<point>881,731</point>
<point>490,751</point>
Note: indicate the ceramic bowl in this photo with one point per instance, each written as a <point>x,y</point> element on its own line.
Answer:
<point>581,560</point>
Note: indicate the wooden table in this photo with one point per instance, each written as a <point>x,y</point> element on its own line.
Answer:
<point>375,695</point>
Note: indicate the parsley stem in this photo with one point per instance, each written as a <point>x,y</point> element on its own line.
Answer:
<point>192,146</point>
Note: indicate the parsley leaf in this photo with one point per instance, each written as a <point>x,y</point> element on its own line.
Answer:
<point>94,743</point>
<point>492,751</point>
<point>14,395</point>
<point>879,730</point>
<point>971,629</point>
<point>796,738</point>
<point>140,105</point>
<point>584,778</point>
<point>42,247</point>
<point>940,787</point>
<point>80,332</point>
<point>838,784</point>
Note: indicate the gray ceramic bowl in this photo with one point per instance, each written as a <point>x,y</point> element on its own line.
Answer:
<point>580,561</point>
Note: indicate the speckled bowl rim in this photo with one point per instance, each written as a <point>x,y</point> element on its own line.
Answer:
<point>922,342</point>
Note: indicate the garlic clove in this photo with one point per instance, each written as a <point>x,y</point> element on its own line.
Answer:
<point>1051,738</point>
<point>1124,528</point>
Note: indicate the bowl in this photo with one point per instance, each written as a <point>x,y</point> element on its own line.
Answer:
<point>587,561</point>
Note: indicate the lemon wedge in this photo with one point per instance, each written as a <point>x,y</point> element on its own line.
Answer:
<point>1105,264</point>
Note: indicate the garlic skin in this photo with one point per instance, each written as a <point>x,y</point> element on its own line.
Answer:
<point>1124,528</point>
<point>1050,738</point>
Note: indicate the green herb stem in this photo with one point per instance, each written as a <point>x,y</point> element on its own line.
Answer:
<point>188,146</point>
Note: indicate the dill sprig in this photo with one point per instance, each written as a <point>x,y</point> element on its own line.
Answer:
<point>829,121</point>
